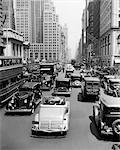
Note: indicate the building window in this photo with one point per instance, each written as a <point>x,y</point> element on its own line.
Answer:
<point>36,55</point>
<point>31,55</point>
<point>119,23</point>
<point>46,56</point>
<point>41,56</point>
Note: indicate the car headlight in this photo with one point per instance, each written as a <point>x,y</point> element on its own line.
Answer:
<point>9,104</point>
<point>35,126</point>
<point>25,101</point>
<point>30,103</point>
<point>12,101</point>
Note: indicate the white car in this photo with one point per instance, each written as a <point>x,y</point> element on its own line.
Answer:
<point>53,117</point>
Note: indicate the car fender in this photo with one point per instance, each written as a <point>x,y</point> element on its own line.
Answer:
<point>96,113</point>
<point>37,117</point>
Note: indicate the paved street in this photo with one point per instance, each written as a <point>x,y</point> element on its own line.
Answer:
<point>16,131</point>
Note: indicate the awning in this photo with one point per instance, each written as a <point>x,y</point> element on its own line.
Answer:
<point>117,60</point>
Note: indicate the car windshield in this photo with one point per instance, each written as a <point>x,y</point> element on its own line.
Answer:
<point>25,89</point>
<point>62,84</point>
<point>96,84</point>
<point>75,78</point>
<point>89,84</point>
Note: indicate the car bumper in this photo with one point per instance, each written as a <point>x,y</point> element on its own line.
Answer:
<point>92,93</point>
<point>62,93</point>
<point>46,88</point>
<point>18,111</point>
<point>38,132</point>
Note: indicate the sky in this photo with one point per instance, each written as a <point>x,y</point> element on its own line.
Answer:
<point>70,13</point>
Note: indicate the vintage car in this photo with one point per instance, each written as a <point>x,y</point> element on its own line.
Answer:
<point>26,99</point>
<point>90,87</point>
<point>114,84</point>
<point>47,82</point>
<point>106,114</point>
<point>105,81</point>
<point>62,87</point>
<point>49,69</point>
<point>53,117</point>
<point>76,80</point>
<point>27,76</point>
<point>68,73</point>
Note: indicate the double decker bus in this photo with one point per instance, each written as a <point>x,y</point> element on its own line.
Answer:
<point>10,77</point>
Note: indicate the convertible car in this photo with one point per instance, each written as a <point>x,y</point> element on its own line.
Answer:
<point>26,99</point>
<point>52,118</point>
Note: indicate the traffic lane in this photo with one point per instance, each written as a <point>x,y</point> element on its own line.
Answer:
<point>16,131</point>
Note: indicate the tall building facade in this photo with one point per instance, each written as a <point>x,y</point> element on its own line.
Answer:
<point>96,29</point>
<point>39,23</point>
<point>110,32</point>
<point>23,18</point>
<point>8,14</point>
<point>51,31</point>
<point>1,29</point>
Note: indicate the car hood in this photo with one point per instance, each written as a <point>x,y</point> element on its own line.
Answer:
<point>24,94</point>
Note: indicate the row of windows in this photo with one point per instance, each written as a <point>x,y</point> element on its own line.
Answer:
<point>105,46</point>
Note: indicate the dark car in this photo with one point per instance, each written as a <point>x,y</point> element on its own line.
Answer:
<point>62,87</point>
<point>49,69</point>
<point>26,99</point>
<point>106,114</point>
<point>76,80</point>
<point>91,87</point>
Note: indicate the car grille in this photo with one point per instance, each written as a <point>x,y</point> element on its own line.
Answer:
<point>62,89</point>
<point>47,125</point>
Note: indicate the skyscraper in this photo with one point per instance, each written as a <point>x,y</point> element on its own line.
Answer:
<point>1,29</point>
<point>38,21</point>
<point>23,18</point>
<point>8,14</point>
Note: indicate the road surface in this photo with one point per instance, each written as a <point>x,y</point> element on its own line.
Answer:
<point>15,131</point>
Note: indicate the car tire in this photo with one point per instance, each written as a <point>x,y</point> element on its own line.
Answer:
<point>64,133</point>
<point>115,127</point>
<point>99,130</point>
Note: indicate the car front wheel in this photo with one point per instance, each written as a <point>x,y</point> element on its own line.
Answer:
<point>116,128</point>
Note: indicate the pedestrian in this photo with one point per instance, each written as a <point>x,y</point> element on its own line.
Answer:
<point>63,69</point>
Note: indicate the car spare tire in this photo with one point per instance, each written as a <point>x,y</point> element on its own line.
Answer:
<point>116,127</point>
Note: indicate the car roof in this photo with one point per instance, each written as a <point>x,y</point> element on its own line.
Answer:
<point>114,80</point>
<point>75,75</point>
<point>109,76</point>
<point>94,79</point>
<point>30,84</point>
<point>110,101</point>
<point>62,79</point>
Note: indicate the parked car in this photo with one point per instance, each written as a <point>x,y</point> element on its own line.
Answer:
<point>90,87</point>
<point>76,80</point>
<point>106,114</point>
<point>62,87</point>
<point>26,99</point>
<point>53,116</point>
